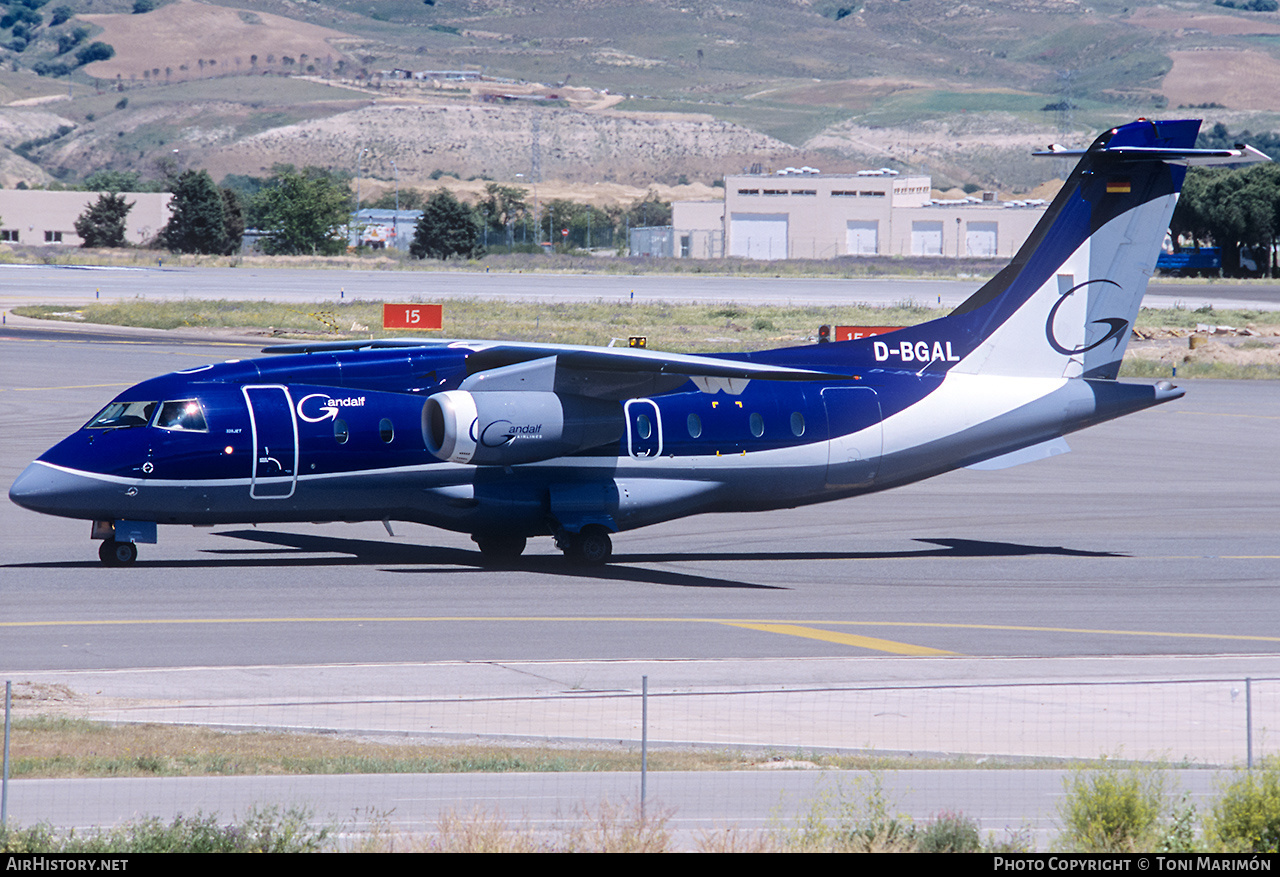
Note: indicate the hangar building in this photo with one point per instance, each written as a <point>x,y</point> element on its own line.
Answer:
<point>802,214</point>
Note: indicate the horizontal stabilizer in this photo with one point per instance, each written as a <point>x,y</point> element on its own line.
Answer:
<point>1043,451</point>
<point>1242,154</point>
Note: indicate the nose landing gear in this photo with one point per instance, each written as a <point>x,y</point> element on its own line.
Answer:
<point>114,553</point>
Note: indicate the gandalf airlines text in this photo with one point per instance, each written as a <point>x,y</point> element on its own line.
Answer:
<point>920,351</point>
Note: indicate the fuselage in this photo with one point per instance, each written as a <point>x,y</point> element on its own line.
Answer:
<point>340,436</point>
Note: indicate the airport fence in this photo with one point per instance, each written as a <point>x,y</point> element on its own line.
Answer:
<point>406,743</point>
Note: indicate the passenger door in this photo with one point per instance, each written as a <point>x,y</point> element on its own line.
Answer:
<point>275,442</point>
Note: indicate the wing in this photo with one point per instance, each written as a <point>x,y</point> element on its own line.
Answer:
<point>593,372</point>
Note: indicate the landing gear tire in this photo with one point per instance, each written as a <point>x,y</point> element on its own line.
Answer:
<point>114,553</point>
<point>591,547</point>
<point>501,547</point>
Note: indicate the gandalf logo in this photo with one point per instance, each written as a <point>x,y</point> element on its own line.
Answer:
<point>503,432</point>
<point>329,410</point>
<point>1117,325</point>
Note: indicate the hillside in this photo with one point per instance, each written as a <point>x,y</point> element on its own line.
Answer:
<point>631,91</point>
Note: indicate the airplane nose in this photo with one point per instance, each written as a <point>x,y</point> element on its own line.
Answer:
<point>43,488</point>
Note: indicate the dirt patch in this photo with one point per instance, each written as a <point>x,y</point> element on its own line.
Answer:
<point>187,39</point>
<point>1239,79</point>
<point>852,94</point>
<point>30,698</point>
<point>473,140</point>
<point>1255,346</point>
<point>951,148</point>
<point>1166,20</point>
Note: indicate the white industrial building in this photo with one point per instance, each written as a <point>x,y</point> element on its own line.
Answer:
<point>803,214</point>
<point>34,216</point>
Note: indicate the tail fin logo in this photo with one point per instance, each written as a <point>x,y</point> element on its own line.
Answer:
<point>1117,324</point>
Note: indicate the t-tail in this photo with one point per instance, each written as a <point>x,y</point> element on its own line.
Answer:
<point>1065,306</point>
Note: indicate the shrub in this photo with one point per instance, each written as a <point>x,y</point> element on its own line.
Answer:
<point>1246,816</point>
<point>856,822</point>
<point>1110,809</point>
<point>950,833</point>
<point>263,830</point>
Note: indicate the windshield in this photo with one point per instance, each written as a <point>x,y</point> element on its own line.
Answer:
<point>120,415</point>
<point>183,414</point>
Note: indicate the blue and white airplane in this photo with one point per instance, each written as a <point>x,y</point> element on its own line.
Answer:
<point>507,441</point>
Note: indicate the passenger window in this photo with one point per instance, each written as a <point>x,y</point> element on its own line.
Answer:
<point>340,433</point>
<point>797,424</point>
<point>757,424</point>
<point>694,422</point>
<point>385,430</point>
<point>120,415</point>
<point>185,414</point>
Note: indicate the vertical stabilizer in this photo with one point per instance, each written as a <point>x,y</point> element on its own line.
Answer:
<point>1066,304</point>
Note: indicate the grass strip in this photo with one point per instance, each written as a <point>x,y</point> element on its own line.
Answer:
<point>54,747</point>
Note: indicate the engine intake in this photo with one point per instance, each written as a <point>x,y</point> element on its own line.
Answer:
<point>506,428</point>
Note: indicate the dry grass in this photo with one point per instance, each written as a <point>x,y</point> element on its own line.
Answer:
<point>671,327</point>
<point>179,35</point>
<point>478,832</point>
<point>54,747</point>
<point>1239,79</point>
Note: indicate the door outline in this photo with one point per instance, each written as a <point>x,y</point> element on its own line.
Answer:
<point>853,459</point>
<point>261,454</point>
<point>638,446</point>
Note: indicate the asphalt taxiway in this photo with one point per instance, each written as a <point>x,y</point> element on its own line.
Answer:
<point>1157,535</point>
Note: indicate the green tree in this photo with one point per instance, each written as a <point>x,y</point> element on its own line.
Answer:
<point>587,225</point>
<point>304,212</point>
<point>410,199</point>
<point>98,51</point>
<point>647,211</point>
<point>119,181</point>
<point>447,228</point>
<point>102,223</point>
<point>503,205</point>
<point>248,190</point>
<point>197,222</point>
<point>1232,208</point>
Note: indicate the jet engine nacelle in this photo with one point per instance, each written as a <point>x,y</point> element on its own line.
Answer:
<point>501,428</point>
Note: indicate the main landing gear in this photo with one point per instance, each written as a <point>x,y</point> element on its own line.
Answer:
<point>114,553</point>
<point>591,546</point>
<point>500,547</point>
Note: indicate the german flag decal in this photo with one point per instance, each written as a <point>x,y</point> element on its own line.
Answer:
<point>1118,187</point>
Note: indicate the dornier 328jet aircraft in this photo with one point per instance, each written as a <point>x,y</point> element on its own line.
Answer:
<point>506,441</point>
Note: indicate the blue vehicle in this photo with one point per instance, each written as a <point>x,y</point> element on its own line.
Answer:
<point>509,441</point>
<point>1202,262</point>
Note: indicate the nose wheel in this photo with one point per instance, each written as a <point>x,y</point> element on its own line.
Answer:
<point>114,553</point>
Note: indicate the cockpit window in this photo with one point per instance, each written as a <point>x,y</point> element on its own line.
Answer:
<point>121,415</point>
<point>184,414</point>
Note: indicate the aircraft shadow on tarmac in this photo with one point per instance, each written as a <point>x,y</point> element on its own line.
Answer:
<point>300,550</point>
